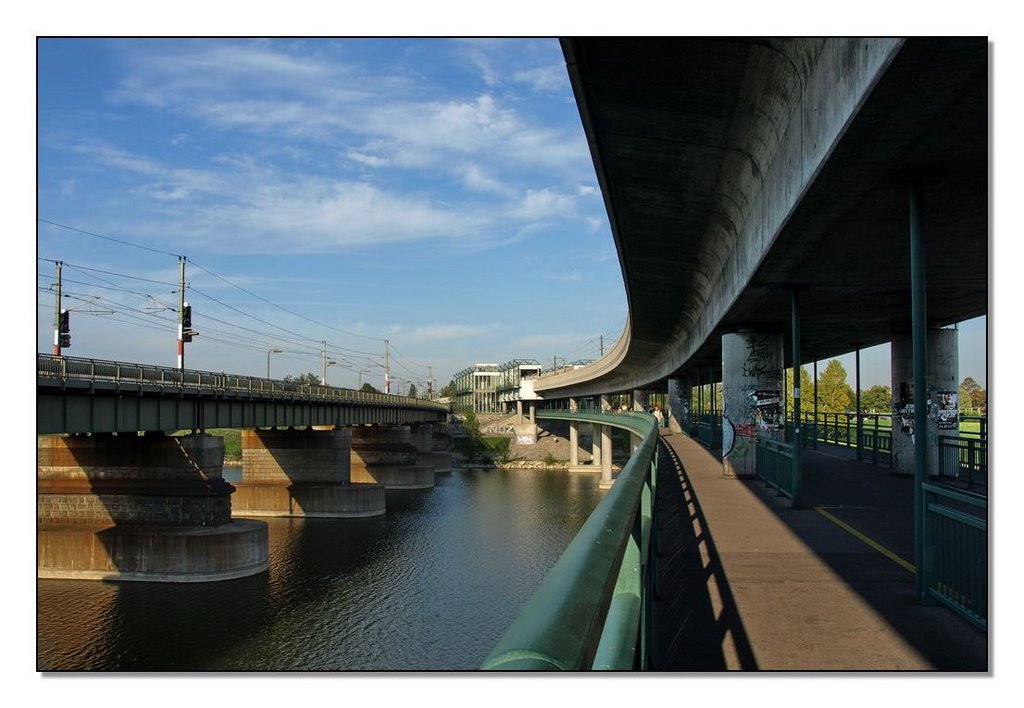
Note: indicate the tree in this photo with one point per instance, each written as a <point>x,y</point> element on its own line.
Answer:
<point>834,394</point>
<point>972,395</point>
<point>368,388</point>
<point>412,390</point>
<point>806,393</point>
<point>449,390</point>
<point>473,444</point>
<point>877,399</point>
<point>308,379</point>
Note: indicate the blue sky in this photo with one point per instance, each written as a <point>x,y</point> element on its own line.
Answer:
<point>435,193</point>
<point>438,194</point>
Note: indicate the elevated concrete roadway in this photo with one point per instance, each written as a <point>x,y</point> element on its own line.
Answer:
<point>735,169</point>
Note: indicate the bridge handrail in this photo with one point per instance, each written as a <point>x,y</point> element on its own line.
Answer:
<point>593,591</point>
<point>97,370</point>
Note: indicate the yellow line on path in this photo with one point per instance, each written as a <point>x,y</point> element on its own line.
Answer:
<point>874,544</point>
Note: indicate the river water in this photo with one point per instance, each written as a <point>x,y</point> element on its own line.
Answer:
<point>429,586</point>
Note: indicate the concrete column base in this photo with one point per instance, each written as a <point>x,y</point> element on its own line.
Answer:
<point>143,508</point>
<point>166,554</point>
<point>334,501</point>
<point>605,484</point>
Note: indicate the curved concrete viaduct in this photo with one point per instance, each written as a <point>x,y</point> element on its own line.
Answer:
<point>736,169</point>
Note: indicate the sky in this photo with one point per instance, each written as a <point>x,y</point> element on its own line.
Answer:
<point>437,194</point>
<point>329,195</point>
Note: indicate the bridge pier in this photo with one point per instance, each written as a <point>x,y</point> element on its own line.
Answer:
<point>386,455</point>
<point>430,448</point>
<point>142,508</point>
<point>752,387</point>
<point>942,383</point>
<point>302,473</point>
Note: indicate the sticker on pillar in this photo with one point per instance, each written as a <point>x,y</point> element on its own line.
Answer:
<point>947,414</point>
<point>905,409</point>
<point>767,409</point>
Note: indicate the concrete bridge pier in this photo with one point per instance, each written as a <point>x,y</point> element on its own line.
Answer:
<point>302,472</point>
<point>605,433</point>
<point>942,379</point>
<point>430,447</point>
<point>752,386</point>
<point>385,455</point>
<point>678,405</point>
<point>142,508</point>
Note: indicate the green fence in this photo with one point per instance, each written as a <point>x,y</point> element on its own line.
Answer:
<point>956,550</point>
<point>708,430</point>
<point>592,610</point>
<point>964,462</point>
<point>774,461</point>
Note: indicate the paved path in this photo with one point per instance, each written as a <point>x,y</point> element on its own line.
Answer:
<point>745,582</point>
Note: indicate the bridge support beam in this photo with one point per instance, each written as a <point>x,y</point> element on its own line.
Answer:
<point>752,386</point>
<point>143,508</point>
<point>941,395</point>
<point>386,455</point>
<point>302,473</point>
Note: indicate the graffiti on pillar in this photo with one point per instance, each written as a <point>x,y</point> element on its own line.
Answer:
<point>947,413</point>
<point>728,437</point>
<point>759,362</point>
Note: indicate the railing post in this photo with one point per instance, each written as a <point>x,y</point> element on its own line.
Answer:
<point>919,325</point>
<point>797,502</point>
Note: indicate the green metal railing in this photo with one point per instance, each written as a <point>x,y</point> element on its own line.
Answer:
<point>956,550</point>
<point>592,610</point>
<point>964,461</point>
<point>708,430</point>
<point>774,461</point>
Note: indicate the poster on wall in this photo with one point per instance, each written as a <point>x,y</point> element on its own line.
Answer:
<point>905,408</point>
<point>948,410</point>
<point>767,405</point>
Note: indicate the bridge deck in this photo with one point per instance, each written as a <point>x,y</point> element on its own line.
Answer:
<point>745,582</point>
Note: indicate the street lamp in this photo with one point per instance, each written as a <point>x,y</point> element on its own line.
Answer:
<point>269,352</point>
<point>361,372</point>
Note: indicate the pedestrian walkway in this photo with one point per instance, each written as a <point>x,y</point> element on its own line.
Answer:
<point>744,582</point>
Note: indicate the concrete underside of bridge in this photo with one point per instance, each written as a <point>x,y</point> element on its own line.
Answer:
<point>386,456</point>
<point>736,169</point>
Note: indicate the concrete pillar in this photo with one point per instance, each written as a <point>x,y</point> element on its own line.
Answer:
<point>533,413</point>
<point>639,400</point>
<point>942,380</point>
<point>385,455</point>
<point>606,458</point>
<point>595,446</point>
<point>752,370</point>
<point>519,411</point>
<point>152,508</point>
<point>429,448</point>
<point>302,473</point>
<point>678,405</point>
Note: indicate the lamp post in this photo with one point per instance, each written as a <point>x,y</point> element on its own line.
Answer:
<point>361,372</point>
<point>269,352</point>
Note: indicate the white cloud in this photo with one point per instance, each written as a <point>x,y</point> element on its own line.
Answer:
<point>368,160</point>
<point>440,332</point>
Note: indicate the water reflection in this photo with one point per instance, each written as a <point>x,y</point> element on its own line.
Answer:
<point>431,585</point>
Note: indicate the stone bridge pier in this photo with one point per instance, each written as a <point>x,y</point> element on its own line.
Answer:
<point>302,472</point>
<point>147,508</point>
<point>386,455</point>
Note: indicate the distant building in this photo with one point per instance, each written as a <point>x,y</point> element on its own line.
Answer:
<point>490,388</point>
